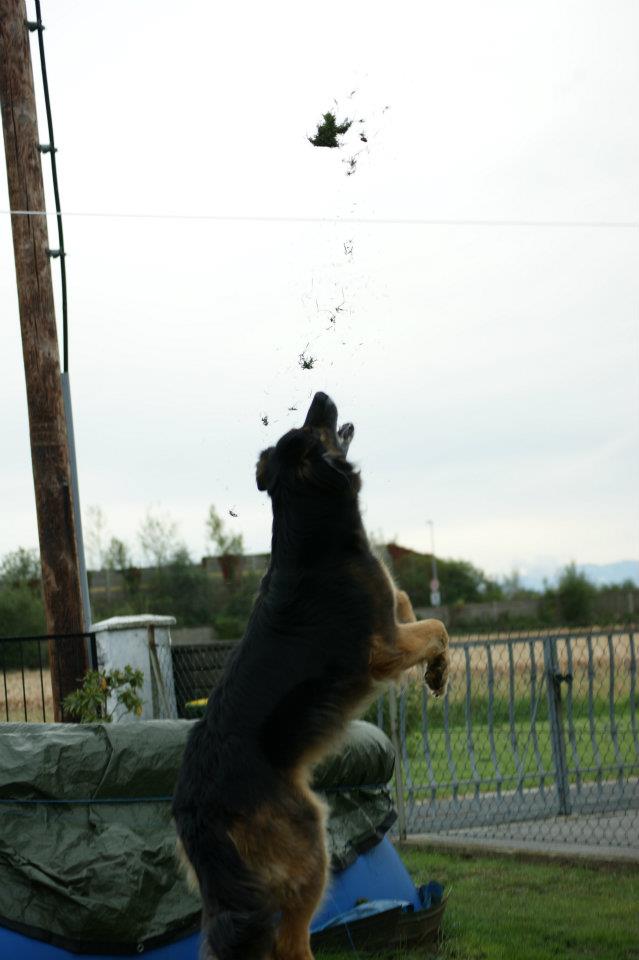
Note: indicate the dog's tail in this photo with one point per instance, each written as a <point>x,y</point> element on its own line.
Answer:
<point>238,921</point>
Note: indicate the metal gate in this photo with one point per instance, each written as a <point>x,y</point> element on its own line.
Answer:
<point>531,728</point>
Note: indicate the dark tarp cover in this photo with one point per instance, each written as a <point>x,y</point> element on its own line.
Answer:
<point>87,842</point>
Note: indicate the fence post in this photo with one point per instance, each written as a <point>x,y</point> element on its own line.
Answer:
<point>399,772</point>
<point>556,715</point>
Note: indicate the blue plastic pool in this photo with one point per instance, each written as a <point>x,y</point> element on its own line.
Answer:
<point>378,874</point>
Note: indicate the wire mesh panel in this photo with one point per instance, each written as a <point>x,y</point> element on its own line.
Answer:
<point>598,675</point>
<point>482,754</point>
<point>196,670</point>
<point>534,736</point>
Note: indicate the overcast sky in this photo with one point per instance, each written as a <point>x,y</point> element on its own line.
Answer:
<point>491,371</point>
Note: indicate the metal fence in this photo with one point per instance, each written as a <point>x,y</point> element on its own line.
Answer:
<point>26,692</point>
<point>196,670</point>
<point>535,739</point>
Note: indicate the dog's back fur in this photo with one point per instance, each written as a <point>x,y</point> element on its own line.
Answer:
<point>247,820</point>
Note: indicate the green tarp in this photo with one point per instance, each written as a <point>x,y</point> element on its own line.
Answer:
<point>86,837</point>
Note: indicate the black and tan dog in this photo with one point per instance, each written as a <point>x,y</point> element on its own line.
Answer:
<point>326,628</point>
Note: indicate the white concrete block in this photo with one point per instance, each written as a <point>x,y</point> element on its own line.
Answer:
<point>143,642</point>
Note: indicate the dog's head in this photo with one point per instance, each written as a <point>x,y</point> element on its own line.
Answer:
<point>312,457</point>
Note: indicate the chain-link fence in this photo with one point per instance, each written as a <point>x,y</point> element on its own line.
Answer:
<point>535,739</point>
<point>197,669</point>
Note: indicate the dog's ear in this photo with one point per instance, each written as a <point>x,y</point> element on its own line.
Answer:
<point>262,473</point>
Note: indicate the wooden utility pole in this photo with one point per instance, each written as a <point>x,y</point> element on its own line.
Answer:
<point>47,425</point>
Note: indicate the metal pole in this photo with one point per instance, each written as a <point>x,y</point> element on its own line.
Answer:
<point>75,492</point>
<point>435,593</point>
<point>556,716</point>
<point>399,773</point>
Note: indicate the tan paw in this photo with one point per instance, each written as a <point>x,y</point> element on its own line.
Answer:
<point>436,676</point>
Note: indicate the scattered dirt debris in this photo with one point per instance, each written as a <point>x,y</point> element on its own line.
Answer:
<point>265,420</point>
<point>329,131</point>
<point>334,313</point>
<point>348,248</point>
<point>306,362</point>
<point>352,166</point>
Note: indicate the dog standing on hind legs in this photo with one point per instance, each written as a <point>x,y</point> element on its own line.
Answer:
<point>327,627</point>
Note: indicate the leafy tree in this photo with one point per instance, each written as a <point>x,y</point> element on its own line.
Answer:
<point>158,536</point>
<point>95,534</point>
<point>575,596</point>
<point>182,589</point>
<point>226,543</point>
<point>512,585</point>
<point>21,604</point>
<point>230,547</point>
<point>117,555</point>
<point>21,612</point>
<point>20,567</point>
<point>460,581</point>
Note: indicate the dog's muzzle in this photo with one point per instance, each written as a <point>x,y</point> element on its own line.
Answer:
<point>322,413</point>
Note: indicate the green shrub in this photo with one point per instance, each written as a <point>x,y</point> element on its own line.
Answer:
<point>90,703</point>
<point>228,627</point>
<point>21,612</point>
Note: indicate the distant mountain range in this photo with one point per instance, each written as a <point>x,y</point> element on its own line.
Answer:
<point>598,573</point>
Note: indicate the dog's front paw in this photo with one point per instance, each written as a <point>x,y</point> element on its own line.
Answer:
<point>436,676</point>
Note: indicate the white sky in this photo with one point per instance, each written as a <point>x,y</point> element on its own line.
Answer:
<point>491,372</point>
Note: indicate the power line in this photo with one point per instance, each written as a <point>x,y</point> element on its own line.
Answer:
<point>347,221</point>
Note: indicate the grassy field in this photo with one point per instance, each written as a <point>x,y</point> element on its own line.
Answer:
<point>504,909</point>
<point>498,700</point>
<point>595,757</point>
<point>12,696</point>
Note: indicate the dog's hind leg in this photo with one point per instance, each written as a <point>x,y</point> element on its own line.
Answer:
<point>292,939</point>
<point>284,842</point>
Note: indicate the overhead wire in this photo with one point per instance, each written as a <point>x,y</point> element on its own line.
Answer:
<point>363,221</point>
<point>50,148</point>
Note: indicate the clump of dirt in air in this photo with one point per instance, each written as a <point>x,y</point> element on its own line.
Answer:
<point>351,164</point>
<point>306,362</point>
<point>329,130</point>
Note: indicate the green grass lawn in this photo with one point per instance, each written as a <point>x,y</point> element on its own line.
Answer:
<point>503,909</point>
<point>594,756</point>
<point>592,751</point>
